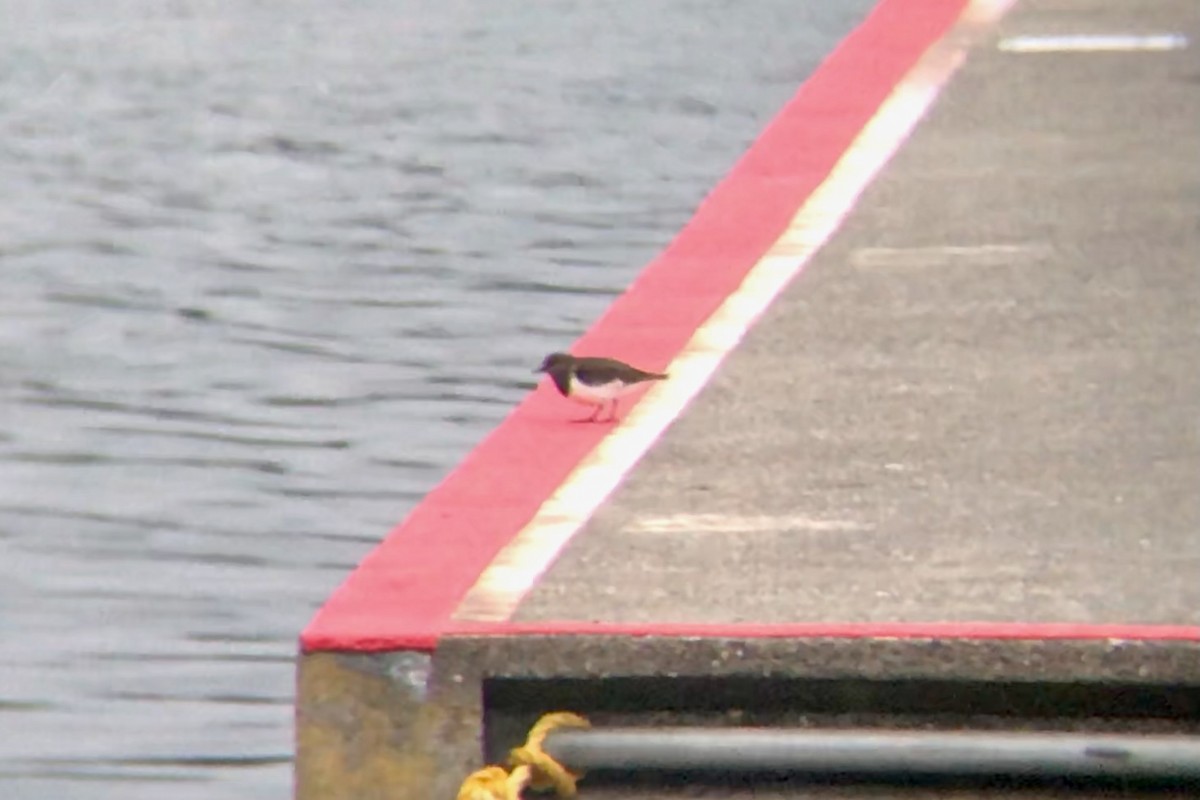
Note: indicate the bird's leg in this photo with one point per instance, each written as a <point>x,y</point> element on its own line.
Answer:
<point>612,411</point>
<point>595,413</point>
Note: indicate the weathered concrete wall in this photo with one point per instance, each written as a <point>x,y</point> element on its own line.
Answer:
<point>394,725</point>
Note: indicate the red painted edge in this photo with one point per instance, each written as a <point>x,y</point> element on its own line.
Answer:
<point>403,594</point>
<point>837,630</point>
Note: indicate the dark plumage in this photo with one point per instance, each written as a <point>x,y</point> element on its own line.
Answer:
<point>594,380</point>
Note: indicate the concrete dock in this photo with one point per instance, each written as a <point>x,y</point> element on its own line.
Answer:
<point>946,480</point>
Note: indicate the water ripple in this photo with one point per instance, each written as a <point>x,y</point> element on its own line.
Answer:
<point>541,287</point>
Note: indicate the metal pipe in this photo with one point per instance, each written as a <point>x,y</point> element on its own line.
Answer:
<point>931,754</point>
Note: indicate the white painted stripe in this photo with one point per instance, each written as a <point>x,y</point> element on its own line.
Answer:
<point>505,582</point>
<point>1094,43</point>
<point>733,523</point>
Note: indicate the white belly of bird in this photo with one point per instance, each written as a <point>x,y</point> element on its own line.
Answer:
<point>596,395</point>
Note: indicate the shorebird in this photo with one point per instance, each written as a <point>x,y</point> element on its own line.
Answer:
<point>593,380</point>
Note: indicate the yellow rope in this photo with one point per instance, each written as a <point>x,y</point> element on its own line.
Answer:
<point>548,773</point>
<point>531,766</point>
<point>489,783</point>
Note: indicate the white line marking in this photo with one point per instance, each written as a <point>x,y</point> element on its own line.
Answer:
<point>499,590</point>
<point>723,523</point>
<point>1094,43</point>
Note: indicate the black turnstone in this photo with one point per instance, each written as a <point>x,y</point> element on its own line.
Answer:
<point>594,381</point>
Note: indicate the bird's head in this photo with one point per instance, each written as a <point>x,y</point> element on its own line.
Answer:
<point>556,361</point>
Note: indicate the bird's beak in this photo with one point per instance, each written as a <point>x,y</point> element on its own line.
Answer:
<point>539,369</point>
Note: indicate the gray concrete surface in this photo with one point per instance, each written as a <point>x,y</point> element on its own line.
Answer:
<point>981,401</point>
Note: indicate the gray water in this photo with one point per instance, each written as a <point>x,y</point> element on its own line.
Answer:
<point>268,270</point>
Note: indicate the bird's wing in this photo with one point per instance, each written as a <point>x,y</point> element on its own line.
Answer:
<point>598,371</point>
